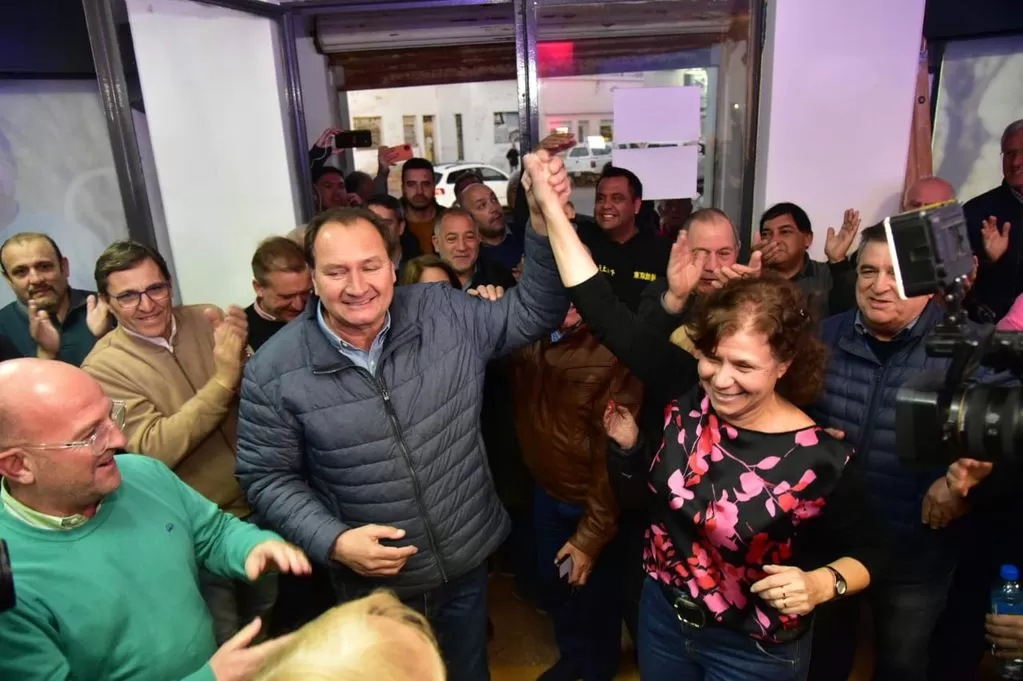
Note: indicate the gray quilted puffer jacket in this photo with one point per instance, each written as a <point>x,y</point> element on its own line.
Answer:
<point>324,446</point>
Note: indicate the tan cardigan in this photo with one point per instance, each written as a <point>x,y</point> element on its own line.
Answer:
<point>174,413</point>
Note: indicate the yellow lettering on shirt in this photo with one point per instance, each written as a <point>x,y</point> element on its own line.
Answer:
<point>606,270</point>
<point>644,276</point>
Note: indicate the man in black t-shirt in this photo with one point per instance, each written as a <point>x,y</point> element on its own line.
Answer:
<point>630,257</point>
<point>282,283</point>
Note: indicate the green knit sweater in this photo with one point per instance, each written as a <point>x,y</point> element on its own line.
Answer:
<point>117,599</point>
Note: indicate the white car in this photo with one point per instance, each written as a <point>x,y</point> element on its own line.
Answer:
<point>584,160</point>
<point>446,174</point>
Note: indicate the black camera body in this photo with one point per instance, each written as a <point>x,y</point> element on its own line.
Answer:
<point>944,416</point>
<point>7,599</point>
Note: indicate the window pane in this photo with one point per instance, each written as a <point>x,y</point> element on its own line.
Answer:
<point>57,172</point>
<point>491,175</point>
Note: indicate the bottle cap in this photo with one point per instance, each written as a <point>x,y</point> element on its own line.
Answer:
<point>1010,573</point>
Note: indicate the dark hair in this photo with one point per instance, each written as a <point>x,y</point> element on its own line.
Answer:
<point>416,164</point>
<point>454,211</point>
<point>277,254</point>
<point>326,170</point>
<point>613,171</point>
<point>122,256</point>
<point>21,237</point>
<point>799,216</point>
<point>347,217</point>
<point>777,308</point>
<point>465,179</point>
<point>874,234</point>
<point>354,179</point>
<point>389,202</point>
<point>414,268</point>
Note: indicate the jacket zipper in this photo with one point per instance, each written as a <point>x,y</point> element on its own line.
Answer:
<point>393,416</point>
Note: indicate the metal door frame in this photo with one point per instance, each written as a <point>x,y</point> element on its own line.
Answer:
<point>108,49</point>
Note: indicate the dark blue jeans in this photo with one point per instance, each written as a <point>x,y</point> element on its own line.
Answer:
<point>905,615</point>
<point>588,619</point>
<point>457,611</point>
<point>672,651</point>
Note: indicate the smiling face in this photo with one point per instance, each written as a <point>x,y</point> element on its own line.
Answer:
<point>458,242</point>
<point>741,374</point>
<point>149,314</point>
<point>1012,160</point>
<point>353,277</point>
<point>35,273</point>
<point>616,208</point>
<point>330,189</point>
<point>877,296</point>
<point>65,405</point>
<point>284,294</point>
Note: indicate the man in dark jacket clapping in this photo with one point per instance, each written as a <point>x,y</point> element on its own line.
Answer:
<point>359,435</point>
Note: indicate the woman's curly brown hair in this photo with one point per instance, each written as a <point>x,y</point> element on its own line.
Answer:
<point>778,309</point>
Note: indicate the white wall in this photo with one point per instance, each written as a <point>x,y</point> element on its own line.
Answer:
<point>210,81</point>
<point>980,92</point>
<point>836,107</point>
<point>319,98</point>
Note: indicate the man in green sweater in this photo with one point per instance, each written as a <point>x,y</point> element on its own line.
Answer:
<point>106,549</point>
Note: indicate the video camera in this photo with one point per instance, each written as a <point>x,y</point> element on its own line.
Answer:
<point>944,416</point>
<point>7,599</point>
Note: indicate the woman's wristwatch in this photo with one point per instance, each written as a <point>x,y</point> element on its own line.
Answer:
<point>840,586</point>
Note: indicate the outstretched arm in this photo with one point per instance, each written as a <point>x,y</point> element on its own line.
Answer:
<point>651,357</point>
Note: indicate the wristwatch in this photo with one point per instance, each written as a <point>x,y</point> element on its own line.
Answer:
<point>840,586</point>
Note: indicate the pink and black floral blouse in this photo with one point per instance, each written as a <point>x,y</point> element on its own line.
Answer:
<point>725,501</point>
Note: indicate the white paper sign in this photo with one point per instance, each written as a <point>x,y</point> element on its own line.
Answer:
<point>666,172</point>
<point>657,114</point>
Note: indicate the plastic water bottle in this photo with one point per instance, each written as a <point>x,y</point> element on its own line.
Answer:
<point>1007,599</point>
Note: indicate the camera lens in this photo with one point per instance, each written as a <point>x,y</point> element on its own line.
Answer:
<point>988,420</point>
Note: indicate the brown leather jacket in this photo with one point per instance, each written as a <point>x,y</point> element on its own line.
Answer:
<point>561,391</point>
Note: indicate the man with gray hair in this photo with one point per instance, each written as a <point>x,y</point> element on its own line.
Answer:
<point>456,239</point>
<point>990,218</point>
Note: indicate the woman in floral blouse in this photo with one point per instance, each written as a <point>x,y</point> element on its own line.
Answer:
<point>755,518</point>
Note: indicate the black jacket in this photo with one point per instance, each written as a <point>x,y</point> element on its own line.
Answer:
<point>998,283</point>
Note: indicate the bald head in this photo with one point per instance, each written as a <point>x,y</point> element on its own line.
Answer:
<point>712,233</point>
<point>35,393</point>
<point>59,440</point>
<point>928,191</point>
<point>481,201</point>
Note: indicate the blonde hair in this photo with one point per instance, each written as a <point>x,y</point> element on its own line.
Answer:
<point>681,338</point>
<point>358,641</point>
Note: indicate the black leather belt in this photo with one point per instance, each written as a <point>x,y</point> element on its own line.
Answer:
<point>694,614</point>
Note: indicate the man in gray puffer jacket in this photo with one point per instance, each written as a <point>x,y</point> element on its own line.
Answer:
<point>359,435</point>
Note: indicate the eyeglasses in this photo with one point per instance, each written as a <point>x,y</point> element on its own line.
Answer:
<point>99,439</point>
<point>131,299</point>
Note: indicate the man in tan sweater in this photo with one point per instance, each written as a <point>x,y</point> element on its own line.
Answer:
<point>178,370</point>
